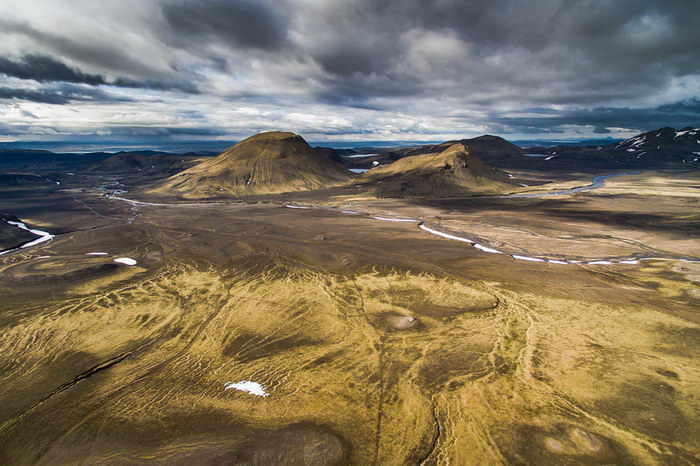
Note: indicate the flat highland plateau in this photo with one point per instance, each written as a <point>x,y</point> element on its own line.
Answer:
<point>333,327</point>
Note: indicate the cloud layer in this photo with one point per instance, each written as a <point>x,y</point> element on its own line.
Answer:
<point>350,70</point>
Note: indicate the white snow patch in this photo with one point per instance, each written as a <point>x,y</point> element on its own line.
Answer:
<point>357,156</point>
<point>125,260</point>
<point>395,219</point>
<point>297,206</point>
<point>43,235</point>
<point>554,261</point>
<point>683,133</point>
<point>629,262</point>
<point>96,253</point>
<point>47,237</point>
<point>247,386</point>
<point>551,157</point>
<point>375,163</point>
<point>525,258</point>
<point>485,249</point>
<point>444,235</point>
<point>599,263</point>
<point>133,202</point>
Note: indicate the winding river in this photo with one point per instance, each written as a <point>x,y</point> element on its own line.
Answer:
<point>596,182</point>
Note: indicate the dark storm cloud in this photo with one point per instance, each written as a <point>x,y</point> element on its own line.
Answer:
<point>42,68</point>
<point>677,115</point>
<point>60,95</point>
<point>160,131</point>
<point>159,85</point>
<point>247,23</point>
<point>107,54</point>
<point>585,51</point>
<point>41,96</point>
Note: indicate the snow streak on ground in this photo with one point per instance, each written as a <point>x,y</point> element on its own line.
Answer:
<point>444,235</point>
<point>43,236</point>
<point>125,261</point>
<point>387,219</point>
<point>247,386</point>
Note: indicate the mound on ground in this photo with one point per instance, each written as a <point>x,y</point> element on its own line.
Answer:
<point>20,181</point>
<point>145,163</point>
<point>452,172</point>
<point>267,163</point>
<point>487,147</point>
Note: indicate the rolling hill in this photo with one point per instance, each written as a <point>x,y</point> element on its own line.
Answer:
<point>450,171</point>
<point>145,163</point>
<point>267,163</point>
<point>485,147</point>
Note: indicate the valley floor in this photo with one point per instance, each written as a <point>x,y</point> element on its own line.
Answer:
<point>315,329</point>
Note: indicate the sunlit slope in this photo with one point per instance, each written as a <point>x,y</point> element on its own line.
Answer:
<point>267,163</point>
<point>455,171</point>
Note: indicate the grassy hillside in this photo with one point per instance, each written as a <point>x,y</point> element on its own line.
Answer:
<point>455,171</point>
<point>267,163</point>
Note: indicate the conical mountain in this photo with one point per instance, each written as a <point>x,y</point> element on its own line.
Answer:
<point>452,172</point>
<point>267,163</point>
<point>488,145</point>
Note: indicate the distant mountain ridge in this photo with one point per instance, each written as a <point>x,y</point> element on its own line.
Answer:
<point>664,142</point>
<point>44,160</point>
<point>663,147</point>
<point>660,148</point>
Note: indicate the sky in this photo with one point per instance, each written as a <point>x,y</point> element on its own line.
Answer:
<point>346,70</point>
